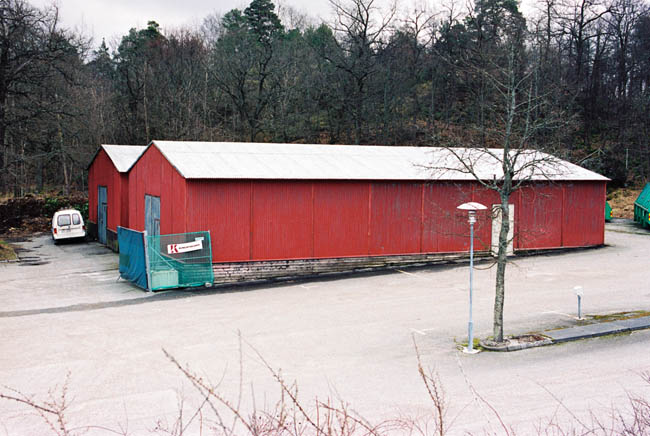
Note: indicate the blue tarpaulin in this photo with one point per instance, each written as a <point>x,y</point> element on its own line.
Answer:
<point>132,256</point>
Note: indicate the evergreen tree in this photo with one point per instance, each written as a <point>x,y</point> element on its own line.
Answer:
<point>263,23</point>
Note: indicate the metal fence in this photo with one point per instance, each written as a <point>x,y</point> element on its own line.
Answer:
<point>179,260</point>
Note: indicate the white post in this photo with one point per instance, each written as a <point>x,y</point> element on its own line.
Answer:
<point>579,293</point>
<point>147,265</point>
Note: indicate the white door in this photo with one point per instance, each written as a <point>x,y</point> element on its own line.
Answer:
<point>496,228</point>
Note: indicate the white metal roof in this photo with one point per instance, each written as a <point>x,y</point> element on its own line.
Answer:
<point>123,156</point>
<point>235,160</point>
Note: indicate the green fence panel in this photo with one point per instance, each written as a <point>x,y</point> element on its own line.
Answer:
<point>179,260</point>
<point>642,207</point>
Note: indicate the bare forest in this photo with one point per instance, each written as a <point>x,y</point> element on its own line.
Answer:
<point>401,75</point>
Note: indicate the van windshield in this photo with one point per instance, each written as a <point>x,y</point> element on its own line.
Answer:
<point>63,220</point>
<point>76,219</point>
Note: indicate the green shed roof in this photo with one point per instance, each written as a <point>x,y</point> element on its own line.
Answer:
<point>644,198</point>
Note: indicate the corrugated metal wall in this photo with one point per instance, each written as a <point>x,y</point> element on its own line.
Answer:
<point>568,214</point>
<point>263,220</point>
<point>153,175</point>
<point>271,220</point>
<point>446,228</point>
<point>538,214</point>
<point>395,218</point>
<point>341,218</point>
<point>584,214</point>
<point>102,172</point>
<point>282,220</point>
<point>124,200</point>
<point>224,208</point>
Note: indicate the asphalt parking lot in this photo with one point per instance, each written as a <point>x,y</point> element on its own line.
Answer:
<point>63,311</point>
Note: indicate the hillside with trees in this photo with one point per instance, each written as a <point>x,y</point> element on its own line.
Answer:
<point>419,76</point>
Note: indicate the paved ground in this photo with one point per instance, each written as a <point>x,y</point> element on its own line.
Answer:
<point>350,338</point>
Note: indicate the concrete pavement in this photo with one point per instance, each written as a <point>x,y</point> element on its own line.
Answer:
<point>349,339</point>
<point>598,329</point>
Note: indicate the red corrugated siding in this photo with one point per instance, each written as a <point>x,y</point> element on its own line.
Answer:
<point>445,227</point>
<point>483,226</point>
<point>282,220</point>
<point>169,210</point>
<point>124,199</point>
<point>539,216</point>
<point>92,192</point>
<point>102,172</point>
<point>224,209</point>
<point>133,190</point>
<point>179,193</point>
<point>584,214</point>
<point>395,218</point>
<point>137,185</point>
<point>341,211</point>
<point>115,214</point>
<point>264,220</point>
<point>153,175</point>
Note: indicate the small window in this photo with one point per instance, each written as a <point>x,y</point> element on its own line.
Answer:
<point>63,220</point>
<point>76,219</point>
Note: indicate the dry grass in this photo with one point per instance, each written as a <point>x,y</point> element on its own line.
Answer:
<point>622,201</point>
<point>6,252</point>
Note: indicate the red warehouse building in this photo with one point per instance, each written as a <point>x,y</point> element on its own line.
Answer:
<point>108,190</point>
<point>325,208</point>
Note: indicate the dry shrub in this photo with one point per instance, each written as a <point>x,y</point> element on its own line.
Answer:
<point>217,415</point>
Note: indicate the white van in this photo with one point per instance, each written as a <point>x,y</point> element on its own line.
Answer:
<point>68,224</point>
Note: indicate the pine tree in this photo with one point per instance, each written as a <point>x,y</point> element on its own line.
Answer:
<point>262,20</point>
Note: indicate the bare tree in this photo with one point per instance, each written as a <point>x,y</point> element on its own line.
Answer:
<point>31,44</point>
<point>506,154</point>
<point>360,32</point>
<point>245,64</point>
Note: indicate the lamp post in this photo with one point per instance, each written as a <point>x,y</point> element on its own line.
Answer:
<point>471,209</point>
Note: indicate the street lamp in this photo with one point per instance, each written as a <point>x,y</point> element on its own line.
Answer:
<point>471,209</point>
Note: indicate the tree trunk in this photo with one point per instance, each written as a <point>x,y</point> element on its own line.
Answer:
<point>501,269</point>
<point>358,117</point>
<point>4,159</point>
<point>64,167</point>
<point>4,148</point>
<point>144,105</point>
<point>15,168</point>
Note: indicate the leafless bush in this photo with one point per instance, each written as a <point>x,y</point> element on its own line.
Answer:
<point>215,414</point>
<point>288,417</point>
<point>52,410</point>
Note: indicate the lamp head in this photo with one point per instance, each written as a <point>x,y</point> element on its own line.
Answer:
<point>472,206</point>
<point>471,209</point>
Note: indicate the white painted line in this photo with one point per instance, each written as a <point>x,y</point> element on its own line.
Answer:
<point>106,279</point>
<point>419,332</point>
<point>407,273</point>
<point>558,313</point>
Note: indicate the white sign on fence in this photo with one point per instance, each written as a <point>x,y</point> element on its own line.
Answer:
<point>184,248</point>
